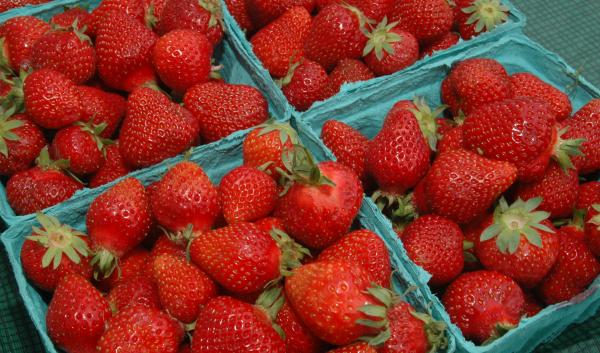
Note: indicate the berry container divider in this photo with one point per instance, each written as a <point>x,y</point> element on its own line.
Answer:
<point>235,70</point>
<point>365,111</point>
<point>515,23</point>
<point>216,160</point>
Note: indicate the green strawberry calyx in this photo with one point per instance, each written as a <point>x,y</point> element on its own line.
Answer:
<point>95,131</point>
<point>6,130</point>
<point>510,222</point>
<point>435,331</point>
<point>486,14</point>
<point>46,163</point>
<point>399,209</point>
<point>301,168</point>
<point>150,16</point>
<point>292,253</point>
<point>214,8</point>
<point>595,220</point>
<point>565,149</point>
<point>104,263</point>
<point>285,80</point>
<point>427,120</point>
<point>468,252</point>
<point>270,302</point>
<point>59,239</point>
<point>499,330</point>
<point>381,39</point>
<point>4,59</point>
<point>388,299</point>
<point>286,131</point>
<point>362,19</point>
<point>15,97</point>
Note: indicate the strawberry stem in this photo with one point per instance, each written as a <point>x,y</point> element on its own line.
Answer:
<point>486,14</point>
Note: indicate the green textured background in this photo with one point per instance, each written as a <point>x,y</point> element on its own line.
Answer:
<point>568,27</point>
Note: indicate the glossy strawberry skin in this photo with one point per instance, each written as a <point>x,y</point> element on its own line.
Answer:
<point>345,71</point>
<point>264,12</point>
<point>239,10</point>
<point>20,35</point>
<point>348,145</point>
<point>79,148</point>
<point>67,18</point>
<point>443,43</point>
<point>111,168</point>
<point>260,149</point>
<point>408,331</point>
<point>298,338</point>
<point>190,14</point>
<point>586,124</point>
<point>132,8</point>
<point>100,107</point>
<point>406,52</point>
<point>427,20</point>
<point>136,262</point>
<point>23,151</point>
<point>452,140</point>
<point>461,18</point>
<point>528,85</point>
<point>135,291</point>
<point>165,246</point>
<point>306,85</point>
<point>588,195</point>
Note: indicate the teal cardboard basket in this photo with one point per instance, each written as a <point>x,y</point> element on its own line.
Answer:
<point>216,161</point>
<point>365,111</point>
<point>242,45</point>
<point>235,70</point>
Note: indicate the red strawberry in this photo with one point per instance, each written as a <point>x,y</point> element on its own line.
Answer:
<point>134,9</point>
<point>202,16</point>
<point>11,4</point>
<point>298,338</point>
<point>532,305</point>
<point>154,11</point>
<point>303,84</point>
<point>185,197</point>
<point>528,85</point>
<point>443,43</point>
<point>366,249</point>
<point>100,107</point>
<point>336,34</point>
<point>183,288</point>
<point>477,16</point>
<point>588,195</point>
<point>76,315</point>
<point>53,251</point>
<point>436,244</point>
<point>51,99</point>
<point>348,145</point>
<point>455,187</point>
<point>135,291</point>
<point>519,242</point>
<point>164,245</point>
<point>182,58</point>
<point>373,9</point>
<point>111,168</point>
<point>264,146</point>
<point>267,224</point>
<point>592,229</point>
<point>472,233</point>
<point>452,140</point>
<point>239,10</point>
<point>425,19</point>
<point>361,347</point>
<point>20,142</point>
<point>281,43</point>
<point>484,304</point>
<point>117,221</point>
<point>140,329</point>
<point>20,34</point>
<point>134,263</point>
<point>390,49</point>
<point>346,71</point>
<point>154,129</point>
<point>67,19</point>
<point>585,124</point>
<point>264,12</point>
<point>186,348</point>
<point>223,109</point>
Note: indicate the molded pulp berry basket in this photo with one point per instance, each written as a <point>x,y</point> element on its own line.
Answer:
<point>236,69</point>
<point>366,110</point>
<point>516,22</point>
<point>216,161</point>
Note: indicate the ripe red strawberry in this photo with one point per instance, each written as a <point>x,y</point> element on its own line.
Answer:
<point>51,99</point>
<point>361,347</point>
<point>443,43</point>
<point>336,34</point>
<point>298,338</point>
<point>575,268</point>
<point>117,221</point>
<point>20,142</point>
<point>264,12</point>
<point>585,124</point>
<point>281,43</point>
<point>267,224</point>
<point>373,9</point>
<point>346,71</point>
<point>185,197</point>
<point>154,11</point>
<point>588,195</point>
<point>183,288</point>
<point>11,4</point>
<point>303,84</point>
<point>454,188</point>
<point>592,229</point>
<point>134,263</point>
<point>532,305</point>
<point>425,19</point>
<point>436,244</point>
<point>154,129</point>
<point>100,107</point>
<point>472,233</point>
<point>239,10</point>
<point>390,49</point>
<point>40,187</point>
<point>132,8</point>
<point>348,145</point>
<point>76,315</point>
<point>182,58</point>
<point>366,249</point>
<point>135,291</point>
<point>124,51</point>
<point>528,85</point>
<point>452,140</point>
<point>111,168</point>
<point>264,146</point>
<point>484,304</point>
<point>53,251</point>
<point>202,16</point>
<point>223,109</point>
<point>67,19</point>
<point>519,242</point>
<point>474,17</point>
<point>165,245</point>
<point>140,329</point>
<point>20,34</point>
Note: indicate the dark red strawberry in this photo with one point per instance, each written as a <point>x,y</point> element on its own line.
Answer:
<point>474,17</point>
<point>346,71</point>
<point>472,233</point>
<point>592,229</point>
<point>443,43</point>
<point>111,168</point>
<point>361,347</point>
<point>202,16</point>
<point>100,107</point>
<point>264,12</point>
<point>12,4</point>
<point>452,140</point>
<point>585,124</point>
<point>239,10</point>
<point>134,263</point>
<point>298,338</point>
<point>348,145</point>
<point>588,195</point>
<point>20,34</point>
<point>264,146</point>
<point>267,224</point>
<point>67,19</point>
<point>425,19</point>
<point>532,305</point>
<point>135,291</point>
<point>132,8</point>
<point>528,85</point>
<point>390,49</point>
<point>20,142</point>
<point>304,83</point>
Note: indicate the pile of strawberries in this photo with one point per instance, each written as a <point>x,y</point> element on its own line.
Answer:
<point>183,255</point>
<point>500,204</point>
<point>84,97</point>
<point>313,47</point>
<point>6,5</point>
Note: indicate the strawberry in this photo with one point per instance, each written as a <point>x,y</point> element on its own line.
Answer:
<point>19,35</point>
<point>185,197</point>
<point>202,16</point>
<point>164,245</point>
<point>154,129</point>
<point>154,11</point>
<point>247,194</point>
<point>182,287</point>
<point>452,140</point>
<point>303,84</point>
<point>585,124</point>
<point>100,107</point>
<point>11,4</point>
<point>373,9</point>
<point>532,305</point>
<point>484,304</point>
<point>69,52</point>
<point>239,10</point>
<point>134,9</point>
<point>366,249</point>
<point>281,43</point>
<point>76,315</point>
<point>67,19</point>
<point>436,244</point>
<point>135,291</point>
<point>427,20</point>
<point>223,109</point>
<point>298,338</point>
<point>575,268</point>
<point>124,51</point>
<point>182,58</point>
<point>588,195</point>
<point>140,329</point>
<point>40,187</point>
<point>472,233</point>
<point>51,99</point>
<point>390,49</point>
<point>519,242</point>
<point>117,221</point>
<point>348,145</point>
<point>267,224</point>
<point>336,34</point>
<point>528,85</point>
<point>592,229</point>
<point>443,43</point>
<point>20,142</point>
<point>474,17</point>
<point>111,168</point>
<point>264,146</point>
<point>361,347</point>
<point>134,263</point>
<point>454,188</point>
<point>346,71</point>
<point>264,12</point>
<point>57,244</point>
